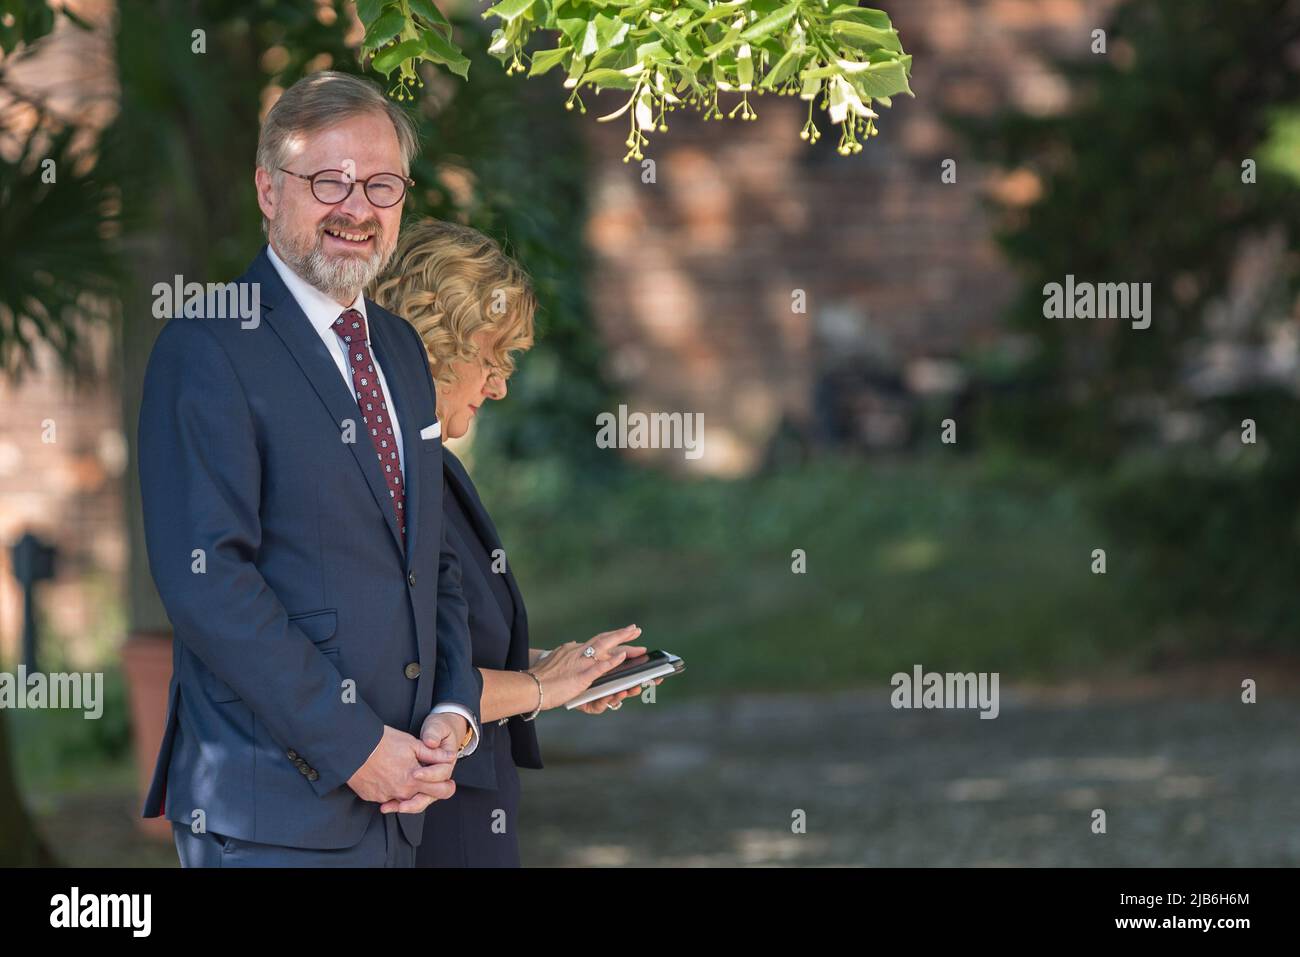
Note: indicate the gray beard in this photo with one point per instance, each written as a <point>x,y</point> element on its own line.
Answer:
<point>341,279</point>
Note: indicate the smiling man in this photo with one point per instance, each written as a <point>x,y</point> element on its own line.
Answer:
<point>291,473</point>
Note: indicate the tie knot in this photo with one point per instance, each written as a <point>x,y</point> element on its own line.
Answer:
<point>350,325</point>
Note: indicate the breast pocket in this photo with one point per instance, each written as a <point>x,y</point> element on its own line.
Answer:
<point>432,432</point>
<point>320,627</point>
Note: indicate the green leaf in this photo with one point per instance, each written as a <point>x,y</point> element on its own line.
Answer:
<point>881,79</point>
<point>654,50</point>
<point>616,54</point>
<point>783,69</point>
<point>610,78</point>
<point>776,46</point>
<point>872,18</point>
<point>544,60</point>
<point>723,45</point>
<point>676,19</point>
<point>675,39</point>
<point>508,10</point>
<point>384,29</point>
<point>771,23</point>
<point>696,47</point>
<point>720,11</point>
<point>610,31</point>
<point>427,11</point>
<point>439,49</point>
<point>576,69</point>
<point>406,50</point>
<point>369,10</point>
<point>573,28</point>
<point>861,35</point>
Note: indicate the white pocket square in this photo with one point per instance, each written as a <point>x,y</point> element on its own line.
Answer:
<point>431,431</point>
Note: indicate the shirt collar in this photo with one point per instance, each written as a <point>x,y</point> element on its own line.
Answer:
<point>321,311</point>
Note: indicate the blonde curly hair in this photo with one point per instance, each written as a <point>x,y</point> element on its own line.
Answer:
<point>451,282</point>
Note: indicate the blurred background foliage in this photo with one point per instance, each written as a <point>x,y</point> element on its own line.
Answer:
<point>1142,181</point>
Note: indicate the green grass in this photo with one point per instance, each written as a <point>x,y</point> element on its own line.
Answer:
<point>945,564</point>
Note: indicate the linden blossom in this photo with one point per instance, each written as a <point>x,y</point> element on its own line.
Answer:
<point>656,430</point>
<point>217,300</point>
<point>83,691</point>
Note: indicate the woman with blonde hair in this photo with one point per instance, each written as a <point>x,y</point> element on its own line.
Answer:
<point>473,307</point>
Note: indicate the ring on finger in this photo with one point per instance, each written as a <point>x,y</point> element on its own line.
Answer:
<point>589,652</point>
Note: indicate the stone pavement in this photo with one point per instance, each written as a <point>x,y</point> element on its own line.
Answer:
<point>1185,779</point>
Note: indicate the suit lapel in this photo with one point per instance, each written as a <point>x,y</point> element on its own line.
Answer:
<point>282,313</point>
<point>523,736</point>
<point>478,516</point>
<point>461,485</point>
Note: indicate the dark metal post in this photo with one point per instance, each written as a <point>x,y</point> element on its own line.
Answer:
<point>33,561</point>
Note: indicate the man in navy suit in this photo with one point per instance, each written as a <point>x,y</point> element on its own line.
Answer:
<point>291,469</point>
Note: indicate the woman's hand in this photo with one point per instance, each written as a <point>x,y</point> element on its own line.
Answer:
<point>614,701</point>
<point>566,672</point>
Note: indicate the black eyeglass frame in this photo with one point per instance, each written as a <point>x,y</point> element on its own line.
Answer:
<point>352,182</point>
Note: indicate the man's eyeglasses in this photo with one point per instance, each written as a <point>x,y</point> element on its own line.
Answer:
<point>333,186</point>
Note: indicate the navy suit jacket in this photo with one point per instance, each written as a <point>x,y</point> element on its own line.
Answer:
<point>498,626</point>
<point>302,625</point>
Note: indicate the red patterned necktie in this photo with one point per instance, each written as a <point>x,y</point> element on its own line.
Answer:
<point>351,328</point>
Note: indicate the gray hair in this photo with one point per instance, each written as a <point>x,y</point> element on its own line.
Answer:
<point>319,101</point>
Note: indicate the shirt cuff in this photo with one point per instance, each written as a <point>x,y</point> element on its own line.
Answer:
<point>466,751</point>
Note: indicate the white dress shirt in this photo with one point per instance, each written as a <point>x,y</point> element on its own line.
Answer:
<point>322,312</point>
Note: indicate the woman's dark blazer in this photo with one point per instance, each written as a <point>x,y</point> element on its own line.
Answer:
<point>477,825</point>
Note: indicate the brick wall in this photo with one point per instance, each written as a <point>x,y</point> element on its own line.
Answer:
<point>62,456</point>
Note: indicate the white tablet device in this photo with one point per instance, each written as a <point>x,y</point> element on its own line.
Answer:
<point>635,671</point>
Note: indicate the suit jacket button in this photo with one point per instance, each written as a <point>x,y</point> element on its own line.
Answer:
<point>302,769</point>
<point>413,670</point>
<point>312,776</point>
<point>291,754</point>
<point>410,578</point>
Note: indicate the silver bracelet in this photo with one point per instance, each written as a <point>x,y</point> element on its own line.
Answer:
<point>538,709</point>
